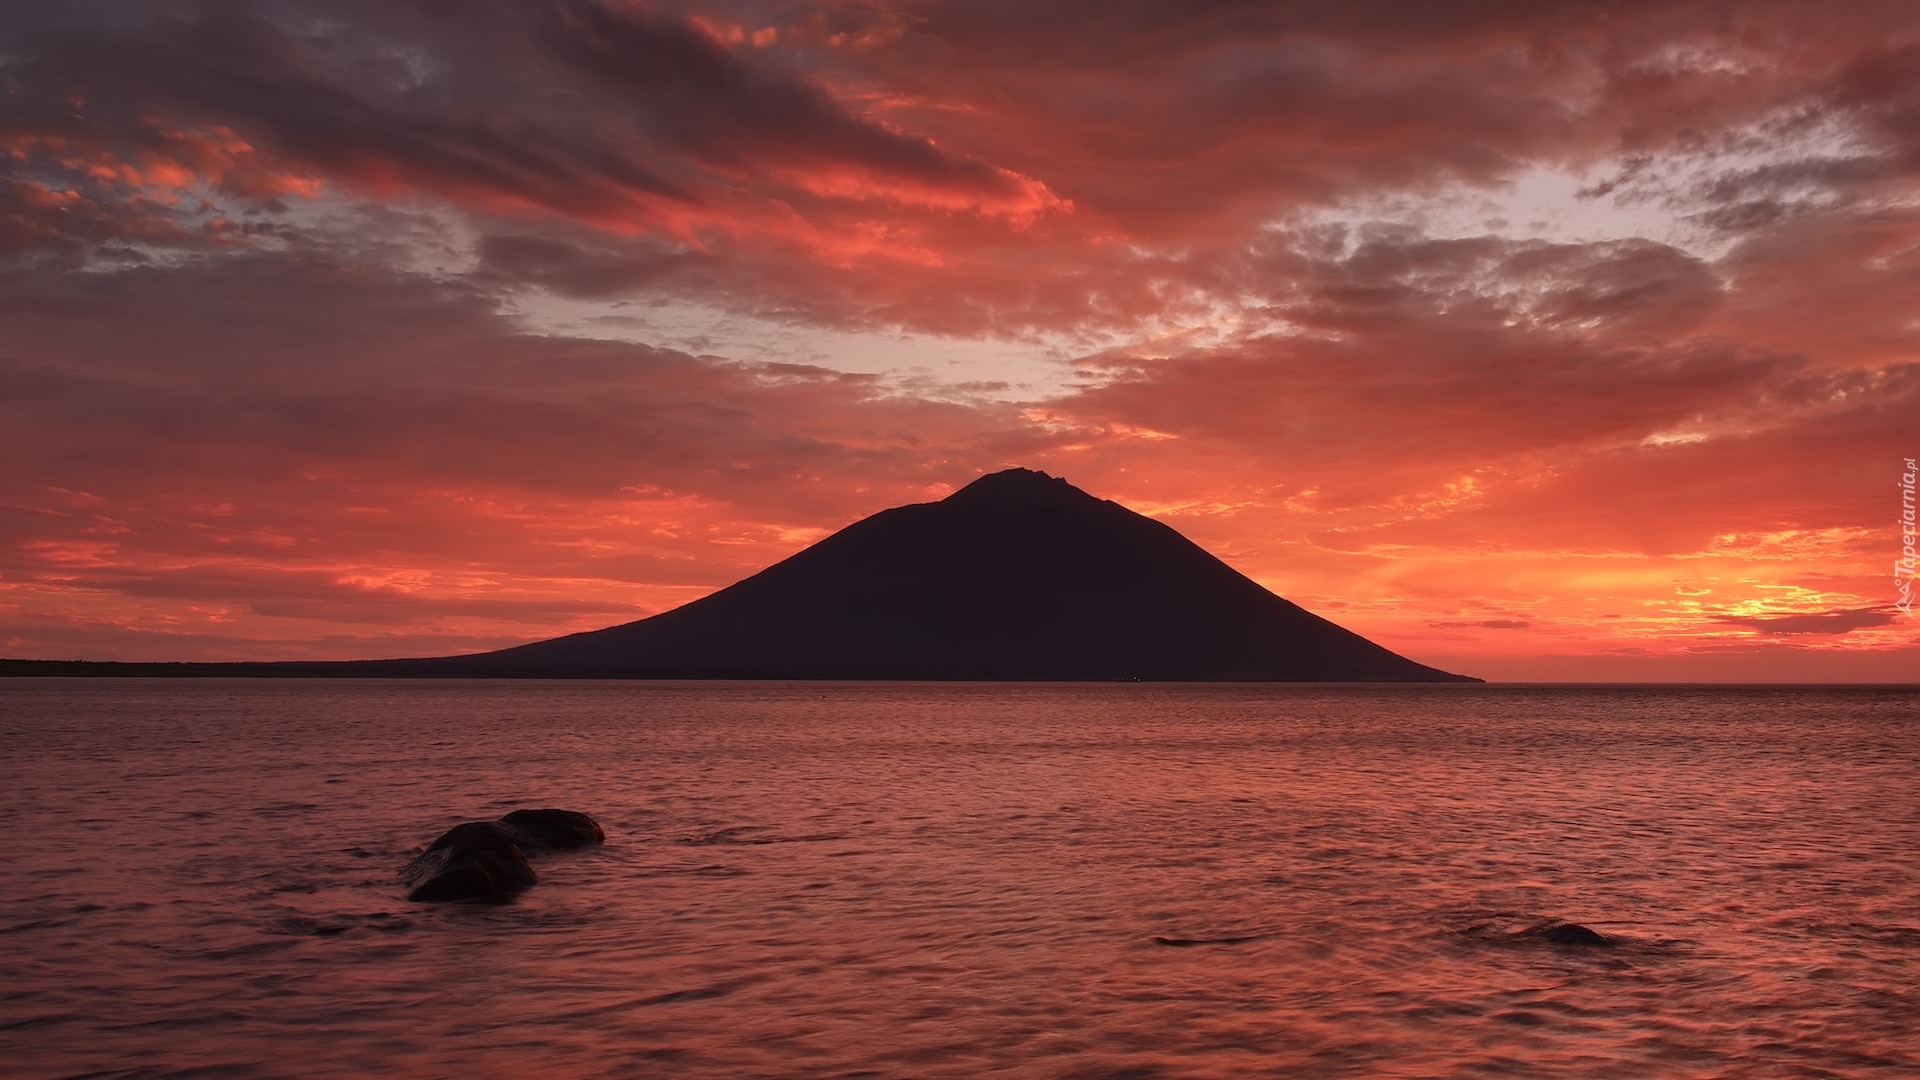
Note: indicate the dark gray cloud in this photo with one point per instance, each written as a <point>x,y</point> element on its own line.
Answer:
<point>1839,622</point>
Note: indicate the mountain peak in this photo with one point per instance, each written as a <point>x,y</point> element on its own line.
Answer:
<point>1017,486</point>
<point>1018,575</point>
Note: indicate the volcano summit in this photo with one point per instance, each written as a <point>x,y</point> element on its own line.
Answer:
<point>1019,575</point>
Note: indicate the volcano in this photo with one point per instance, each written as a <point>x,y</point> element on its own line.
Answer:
<point>1018,575</point>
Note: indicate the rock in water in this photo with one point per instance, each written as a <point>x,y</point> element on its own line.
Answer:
<point>486,860</point>
<point>1566,933</point>
<point>558,829</point>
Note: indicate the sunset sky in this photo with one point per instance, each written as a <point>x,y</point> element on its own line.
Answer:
<point>1533,340</point>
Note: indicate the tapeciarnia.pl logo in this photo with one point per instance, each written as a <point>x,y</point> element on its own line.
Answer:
<point>1903,567</point>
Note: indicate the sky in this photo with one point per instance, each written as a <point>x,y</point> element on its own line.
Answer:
<point>1533,340</point>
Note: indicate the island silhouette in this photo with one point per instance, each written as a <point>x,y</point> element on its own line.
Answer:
<point>1017,576</point>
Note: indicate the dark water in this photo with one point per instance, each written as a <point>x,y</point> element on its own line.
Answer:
<point>919,881</point>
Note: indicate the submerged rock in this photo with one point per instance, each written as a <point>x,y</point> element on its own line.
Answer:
<point>1189,942</point>
<point>486,860</point>
<point>1513,928</point>
<point>1566,933</point>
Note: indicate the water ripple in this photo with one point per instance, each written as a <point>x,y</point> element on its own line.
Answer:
<point>922,881</point>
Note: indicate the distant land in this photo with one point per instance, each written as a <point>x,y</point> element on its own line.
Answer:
<point>1017,576</point>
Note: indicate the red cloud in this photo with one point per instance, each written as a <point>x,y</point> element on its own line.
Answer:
<point>282,404</point>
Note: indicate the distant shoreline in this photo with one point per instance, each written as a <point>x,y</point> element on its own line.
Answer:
<point>462,668</point>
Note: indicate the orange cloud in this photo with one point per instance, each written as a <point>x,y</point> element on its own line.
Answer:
<point>1283,287</point>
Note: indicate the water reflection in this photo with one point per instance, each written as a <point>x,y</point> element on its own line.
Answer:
<point>951,881</point>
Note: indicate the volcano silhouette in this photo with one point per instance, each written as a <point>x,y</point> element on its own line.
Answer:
<point>1019,575</point>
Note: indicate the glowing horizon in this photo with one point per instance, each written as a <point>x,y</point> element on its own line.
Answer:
<point>1526,343</point>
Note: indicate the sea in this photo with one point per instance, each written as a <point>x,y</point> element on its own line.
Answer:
<point>964,880</point>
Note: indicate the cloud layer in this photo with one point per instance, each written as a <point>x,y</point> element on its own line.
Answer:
<point>1529,339</point>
